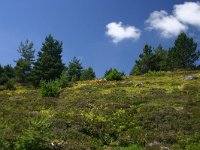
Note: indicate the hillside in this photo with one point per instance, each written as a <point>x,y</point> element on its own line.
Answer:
<point>163,112</point>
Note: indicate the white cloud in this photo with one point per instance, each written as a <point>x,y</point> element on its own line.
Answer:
<point>183,15</point>
<point>188,13</point>
<point>168,25</point>
<point>119,32</point>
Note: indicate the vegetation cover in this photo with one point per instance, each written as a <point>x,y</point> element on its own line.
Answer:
<point>48,105</point>
<point>164,112</point>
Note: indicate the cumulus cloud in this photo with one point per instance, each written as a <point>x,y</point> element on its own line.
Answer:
<point>119,32</point>
<point>168,25</point>
<point>182,16</point>
<point>188,13</point>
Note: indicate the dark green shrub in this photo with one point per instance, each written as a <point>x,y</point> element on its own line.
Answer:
<point>154,74</point>
<point>87,74</point>
<point>64,80</point>
<point>190,88</point>
<point>3,79</point>
<point>9,85</point>
<point>114,74</point>
<point>50,88</point>
<point>36,137</point>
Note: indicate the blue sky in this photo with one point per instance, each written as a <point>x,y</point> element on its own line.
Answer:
<point>102,33</point>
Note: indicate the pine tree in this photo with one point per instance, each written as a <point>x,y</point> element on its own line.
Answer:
<point>49,64</point>
<point>160,59</point>
<point>113,74</point>
<point>184,53</point>
<point>24,64</point>
<point>74,70</point>
<point>88,74</point>
<point>145,62</point>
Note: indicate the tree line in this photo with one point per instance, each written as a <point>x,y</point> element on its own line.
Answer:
<point>49,66</point>
<point>183,55</point>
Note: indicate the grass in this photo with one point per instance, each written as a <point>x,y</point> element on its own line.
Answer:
<point>113,115</point>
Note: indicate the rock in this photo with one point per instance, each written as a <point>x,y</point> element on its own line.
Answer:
<point>58,145</point>
<point>164,148</point>
<point>129,81</point>
<point>101,81</point>
<point>154,143</point>
<point>139,84</point>
<point>189,78</point>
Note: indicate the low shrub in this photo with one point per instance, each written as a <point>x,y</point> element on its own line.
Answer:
<point>114,74</point>
<point>50,88</point>
<point>64,80</point>
<point>154,74</point>
<point>190,88</point>
<point>10,85</point>
<point>35,137</point>
<point>3,79</point>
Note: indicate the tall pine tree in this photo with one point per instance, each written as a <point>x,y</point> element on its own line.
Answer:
<point>24,64</point>
<point>184,53</point>
<point>88,74</point>
<point>145,62</point>
<point>49,64</point>
<point>74,70</point>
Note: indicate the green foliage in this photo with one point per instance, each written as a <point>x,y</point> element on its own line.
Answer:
<point>154,74</point>
<point>74,70</point>
<point>36,137</point>
<point>63,80</point>
<point>49,64</point>
<point>87,74</point>
<point>190,88</point>
<point>114,74</point>
<point>193,146</point>
<point>112,115</point>
<point>132,147</point>
<point>50,88</point>
<point>184,53</point>
<point>3,79</point>
<point>9,85</point>
<point>160,59</point>
<point>6,73</point>
<point>8,70</point>
<point>24,64</point>
<point>145,62</point>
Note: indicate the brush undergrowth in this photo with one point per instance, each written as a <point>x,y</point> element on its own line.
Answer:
<point>113,115</point>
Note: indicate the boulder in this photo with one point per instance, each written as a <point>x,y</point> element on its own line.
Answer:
<point>189,78</point>
<point>139,84</point>
<point>164,148</point>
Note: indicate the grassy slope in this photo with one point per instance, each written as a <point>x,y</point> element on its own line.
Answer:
<point>109,115</point>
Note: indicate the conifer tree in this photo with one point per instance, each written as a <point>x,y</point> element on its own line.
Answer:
<point>145,62</point>
<point>184,53</point>
<point>74,70</point>
<point>24,64</point>
<point>49,64</point>
<point>88,74</point>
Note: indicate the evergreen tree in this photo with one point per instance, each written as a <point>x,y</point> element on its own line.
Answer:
<point>88,74</point>
<point>184,53</point>
<point>113,74</point>
<point>49,64</point>
<point>24,64</point>
<point>160,59</point>
<point>145,62</point>
<point>74,70</point>
<point>6,73</point>
<point>9,71</point>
